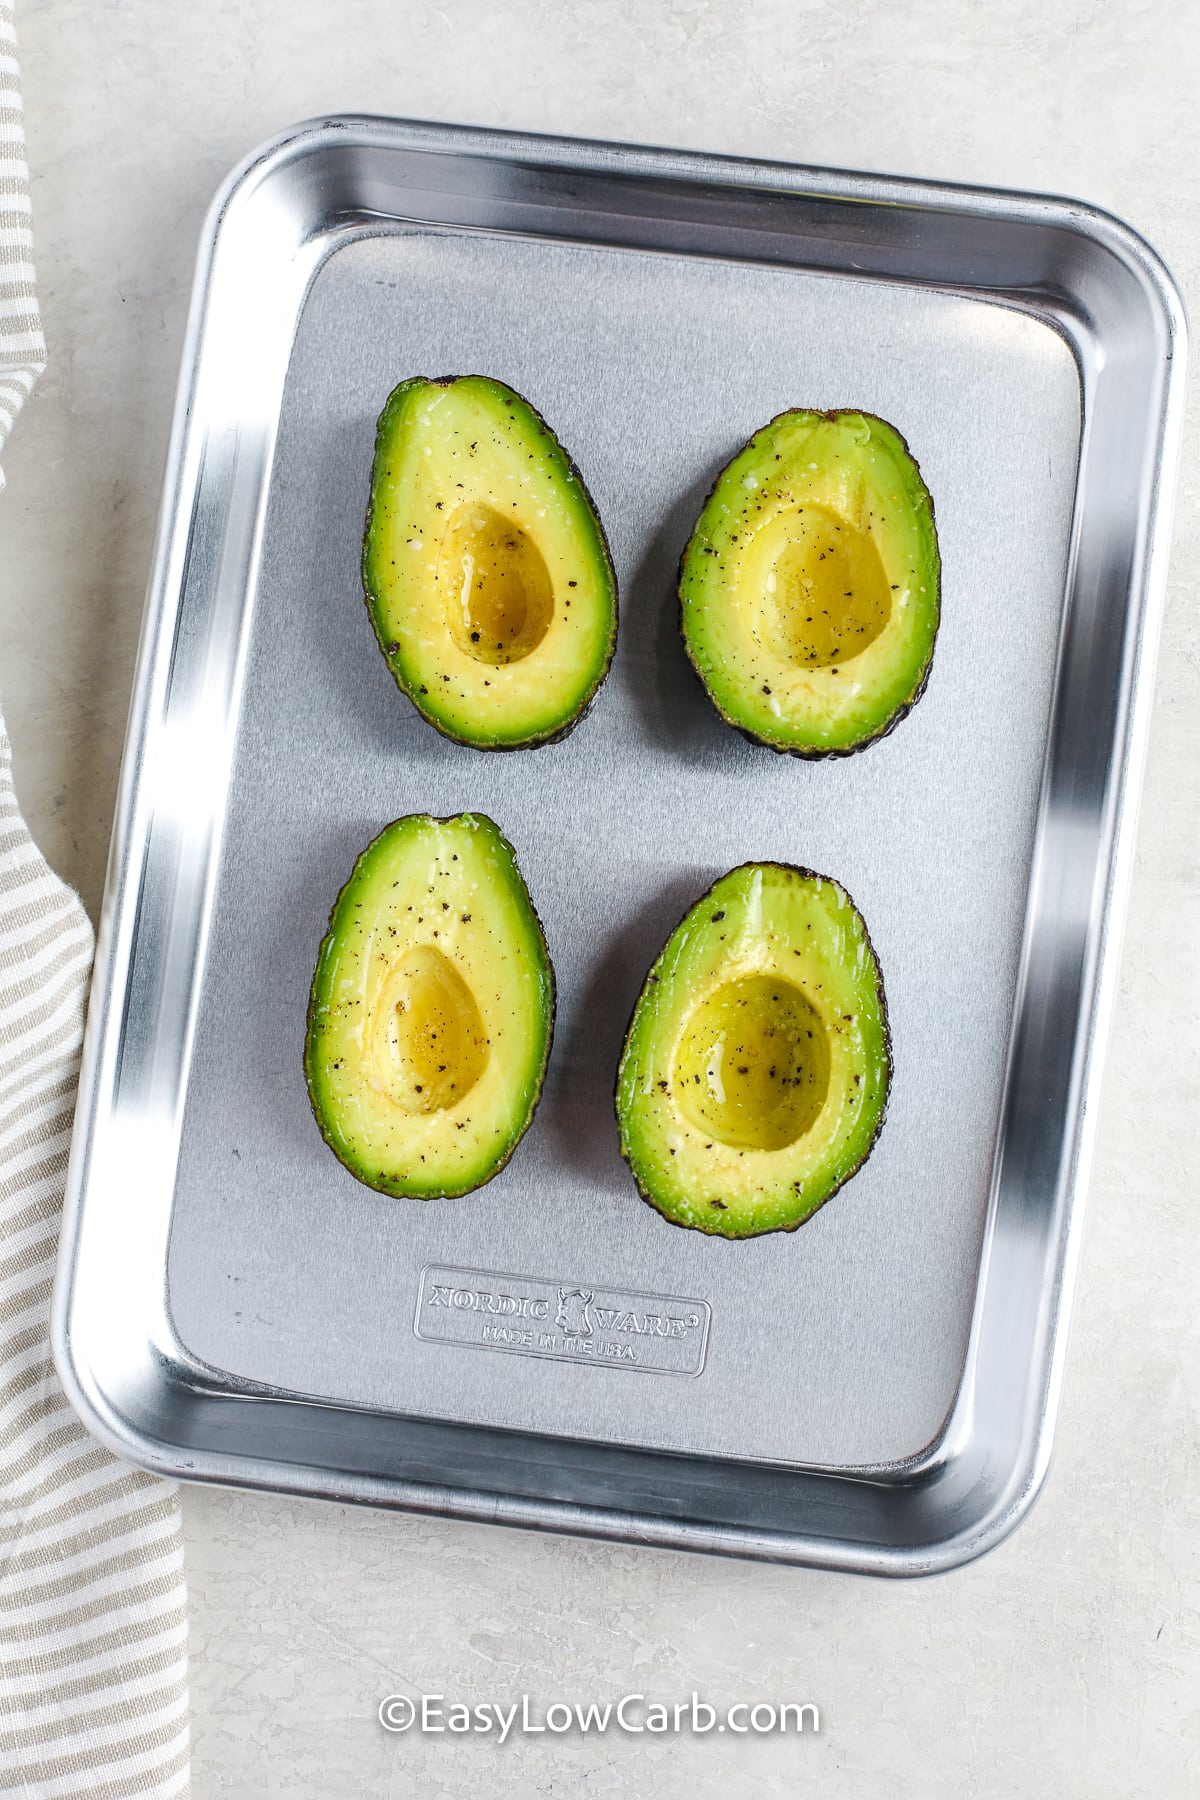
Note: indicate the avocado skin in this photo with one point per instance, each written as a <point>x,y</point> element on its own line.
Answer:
<point>372,601</point>
<point>380,1183</point>
<point>811,753</point>
<point>715,1229</point>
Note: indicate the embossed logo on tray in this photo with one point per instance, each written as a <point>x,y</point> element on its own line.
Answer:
<point>534,1316</point>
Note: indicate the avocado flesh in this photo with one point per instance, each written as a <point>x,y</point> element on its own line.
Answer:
<point>485,567</point>
<point>810,589</point>
<point>432,1009</point>
<point>756,1067</point>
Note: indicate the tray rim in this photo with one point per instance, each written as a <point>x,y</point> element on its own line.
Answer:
<point>97,1407</point>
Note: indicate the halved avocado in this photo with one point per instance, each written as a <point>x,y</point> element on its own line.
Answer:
<point>756,1067</point>
<point>486,569</point>
<point>810,590</point>
<point>432,1009</point>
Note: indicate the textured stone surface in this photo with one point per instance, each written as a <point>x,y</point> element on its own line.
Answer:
<point>1068,1662</point>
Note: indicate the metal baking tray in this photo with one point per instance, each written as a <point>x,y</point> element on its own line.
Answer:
<point>877,1391</point>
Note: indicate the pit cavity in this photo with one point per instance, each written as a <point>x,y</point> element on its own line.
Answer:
<point>499,597</point>
<point>752,1068</point>
<point>429,1042</point>
<point>827,594</point>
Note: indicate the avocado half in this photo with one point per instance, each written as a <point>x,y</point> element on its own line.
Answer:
<point>810,590</point>
<point>486,570</point>
<point>432,1009</point>
<point>756,1067</point>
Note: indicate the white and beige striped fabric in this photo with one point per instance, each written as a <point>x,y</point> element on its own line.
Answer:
<point>93,1631</point>
<point>22,346</point>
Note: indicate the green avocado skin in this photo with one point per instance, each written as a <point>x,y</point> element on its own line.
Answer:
<point>463,836</point>
<point>647,1065</point>
<point>723,503</point>
<point>495,401</point>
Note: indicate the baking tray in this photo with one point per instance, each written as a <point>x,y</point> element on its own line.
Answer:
<point>877,1391</point>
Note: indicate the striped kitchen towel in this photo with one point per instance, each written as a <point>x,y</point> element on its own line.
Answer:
<point>22,346</point>
<point>93,1632</point>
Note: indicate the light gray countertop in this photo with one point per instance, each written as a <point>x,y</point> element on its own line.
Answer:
<point>1066,1663</point>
